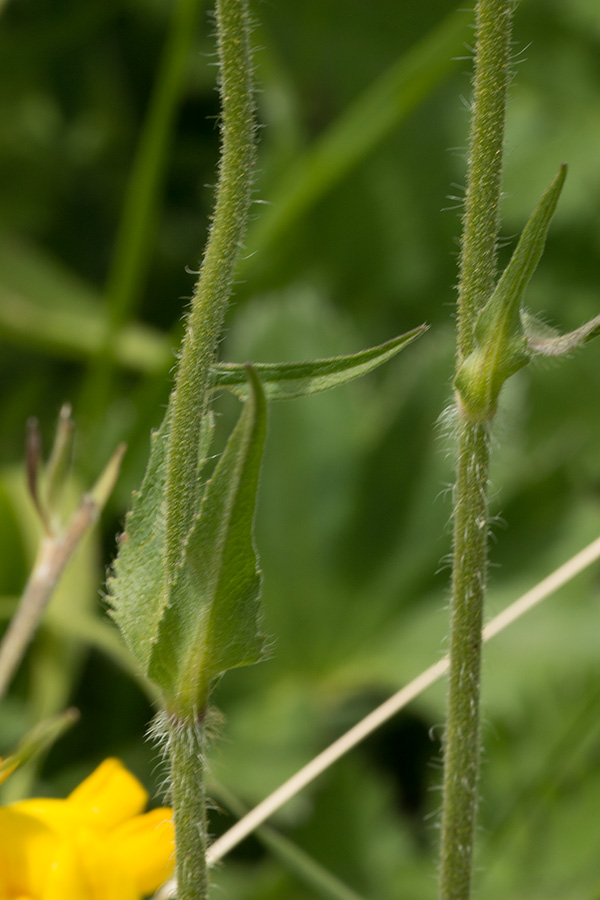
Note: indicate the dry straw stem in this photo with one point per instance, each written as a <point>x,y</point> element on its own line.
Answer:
<point>53,556</point>
<point>256,817</point>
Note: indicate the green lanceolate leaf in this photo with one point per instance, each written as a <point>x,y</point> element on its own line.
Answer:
<point>501,346</point>
<point>286,380</point>
<point>185,634</point>
<point>211,622</point>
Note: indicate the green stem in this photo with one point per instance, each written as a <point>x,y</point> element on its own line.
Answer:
<point>462,741</point>
<point>189,401</point>
<point>476,283</point>
<point>193,380</point>
<point>186,755</point>
<point>481,222</point>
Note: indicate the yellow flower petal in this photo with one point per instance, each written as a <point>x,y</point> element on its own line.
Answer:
<point>91,846</point>
<point>106,876</point>
<point>110,793</point>
<point>27,849</point>
<point>56,815</point>
<point>66,877</point>
<point>35,862</point>
<point>147,845</point>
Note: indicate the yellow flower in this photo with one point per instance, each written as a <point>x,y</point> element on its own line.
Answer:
<point>94,845</point>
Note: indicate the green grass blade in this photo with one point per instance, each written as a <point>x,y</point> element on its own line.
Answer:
<point>362,128</point>
<point>48,308</point>
<point>137,228</point>
<point>136,231</point>
<point>306,869</point>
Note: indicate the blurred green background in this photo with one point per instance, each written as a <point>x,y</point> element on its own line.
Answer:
<point>353,240</point>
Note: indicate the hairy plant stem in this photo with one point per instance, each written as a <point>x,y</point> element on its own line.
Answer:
<point>185,744</point>
<point>462,741</point>
<point>205,319</point>
<point>189,402</point>
<point>481,222</point>
<point>476,283</point>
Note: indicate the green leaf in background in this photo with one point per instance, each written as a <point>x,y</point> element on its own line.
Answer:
<point>317,878</point>
<point>37,740</point>
<point>211,622</point>
<point>283,381</point>
<point>46,307</point>
<point>501,348</point>
<point>359,130</point>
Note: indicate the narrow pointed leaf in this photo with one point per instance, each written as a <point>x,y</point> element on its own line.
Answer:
<point>501,347</point>
<point>505,302</point>
<point>546,341</point>
<point>211,623</point>
<point>286,380</point>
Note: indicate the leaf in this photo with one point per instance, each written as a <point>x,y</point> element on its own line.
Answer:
<point>46,307</point>
<point>546,341</point>
<point>500,345</point>
<point>138,591</point>
<point>38,740</point>
<point>211,622</point>
<point>185,635</point>
<point>286,380</point>
<point>515,278</point>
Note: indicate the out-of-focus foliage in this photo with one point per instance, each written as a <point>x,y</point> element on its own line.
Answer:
<point>354,507</point>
